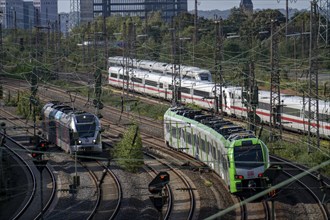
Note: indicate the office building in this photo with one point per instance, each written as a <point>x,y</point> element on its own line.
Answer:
<point>12,14</point>
<point>28,11</point>
<point>45,12</point>
<point>90,9</point>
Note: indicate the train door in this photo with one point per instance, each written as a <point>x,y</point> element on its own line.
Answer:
<point>52,127</point>
<point>227,101</point>
<point>304,116</point>
<point>183,144</point>
<point>165,87</point>
<point>197,141</point>
<point>130,80</point>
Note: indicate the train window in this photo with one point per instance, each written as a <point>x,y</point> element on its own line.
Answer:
<point>167,127</point>
<point>213,152</point>
<point>173,132</point>
<point>151,83</point>
<point>185,90</point>
<point>180,133</point>
<point>188,138</point>
<point>204,76</point>
<point>324,117</point>
<point>86,130</point>
<point>113,75</point>
<point>123,77</point>
<point>291,111</point>
<point>137,80</point>
<point>170,87</point>
<point>161,85</point>
<point>186,77</point>
<point>263,105</point>
<point>196,140</point>
<point>201,93</point>
<point>203,145</point>
<point>248,156</point>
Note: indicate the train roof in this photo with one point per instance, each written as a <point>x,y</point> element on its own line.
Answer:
<point>290,101</point>
<point>294,101</point>
<point>192,72</point>
<point>226,128</point>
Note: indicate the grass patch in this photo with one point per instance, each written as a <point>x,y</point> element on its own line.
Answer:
<point>208,183</point>
<point>300,153</point>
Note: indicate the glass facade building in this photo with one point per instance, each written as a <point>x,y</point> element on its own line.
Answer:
<point>12,14</point>
<point>45,12</point>
<point>140,8</point>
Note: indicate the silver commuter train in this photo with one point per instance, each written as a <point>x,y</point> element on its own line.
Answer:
<point>294,112</point>
<point>187,72</point>
<point>70,129</point>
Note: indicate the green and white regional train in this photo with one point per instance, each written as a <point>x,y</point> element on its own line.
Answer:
<point>230,150</point>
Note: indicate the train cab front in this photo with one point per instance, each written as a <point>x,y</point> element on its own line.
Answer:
<point>87,139</point>
<point>88,145</point>
<point>247,166</point>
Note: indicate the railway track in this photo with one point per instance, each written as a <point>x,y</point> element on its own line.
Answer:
<point>180,190</point>
<point>102,209</point>
<point>310,185</point>
<point>108,190</point>
<point>146,136</point>
<point>41,185</point>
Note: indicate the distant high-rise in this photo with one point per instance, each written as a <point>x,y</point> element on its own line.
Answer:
<point>45,12</point>
<point>28,14</point>
<point>246,6</point>
<point>86,10</point>
<point>64,18</point>
<point>12,13</point>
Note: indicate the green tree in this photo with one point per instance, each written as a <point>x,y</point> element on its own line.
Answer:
<point>128,151</point>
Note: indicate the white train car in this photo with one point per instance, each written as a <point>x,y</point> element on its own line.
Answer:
<point>187,72</point>
<point>294,114</point>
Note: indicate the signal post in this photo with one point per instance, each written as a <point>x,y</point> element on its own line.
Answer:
<point>38,160</point>
<point>156,187</point>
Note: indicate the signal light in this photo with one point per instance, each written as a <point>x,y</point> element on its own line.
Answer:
<point>36,155</point>
<point>157,184</point>
<point>42,145</point>
<point>260,175</point>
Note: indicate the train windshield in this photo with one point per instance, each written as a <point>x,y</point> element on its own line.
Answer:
<point>248,156</point>
<point>204,76</point>
<point>86,125</point>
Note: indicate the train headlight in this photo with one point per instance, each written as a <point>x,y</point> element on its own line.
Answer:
<point>94,141</point>
<point>260,175</point>
<point>79,142</point>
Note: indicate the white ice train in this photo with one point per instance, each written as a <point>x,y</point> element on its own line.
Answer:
<point>187,72</point>
<point>294,112</point>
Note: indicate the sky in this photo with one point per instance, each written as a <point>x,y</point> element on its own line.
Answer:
<point>64,5</point>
